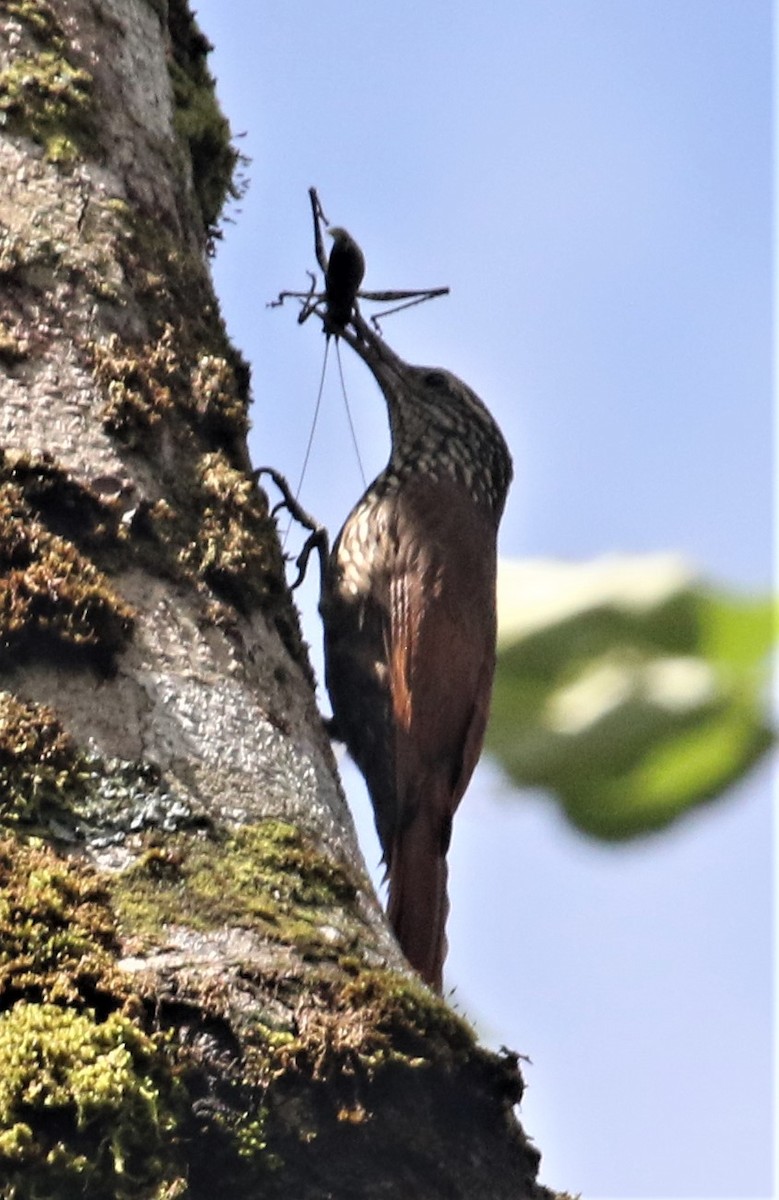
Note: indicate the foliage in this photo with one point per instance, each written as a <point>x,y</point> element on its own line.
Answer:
<point>628,687</point>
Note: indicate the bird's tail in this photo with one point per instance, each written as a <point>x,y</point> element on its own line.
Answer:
<point>418,903</point>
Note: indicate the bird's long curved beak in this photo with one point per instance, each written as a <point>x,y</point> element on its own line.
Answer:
<point>387,367</point>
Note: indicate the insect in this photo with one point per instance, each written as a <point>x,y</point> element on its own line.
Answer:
<point>343,272</point>
<point>343,276</point>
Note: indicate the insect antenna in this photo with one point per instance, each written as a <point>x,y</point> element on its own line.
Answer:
<point>349,411</point>
<point>311,434</point>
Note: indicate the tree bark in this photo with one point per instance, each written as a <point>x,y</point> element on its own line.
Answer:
<point>198,990</point>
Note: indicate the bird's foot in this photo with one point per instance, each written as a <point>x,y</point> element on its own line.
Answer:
<point>317,539</point>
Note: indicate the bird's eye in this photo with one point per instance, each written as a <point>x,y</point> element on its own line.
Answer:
<point>436,379</point>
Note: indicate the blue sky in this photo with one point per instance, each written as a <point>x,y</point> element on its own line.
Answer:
<point>593,180</point>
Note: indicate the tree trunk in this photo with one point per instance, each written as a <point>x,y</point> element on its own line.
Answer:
<point>199,993</point>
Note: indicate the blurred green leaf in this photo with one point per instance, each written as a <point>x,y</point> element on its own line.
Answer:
<point>628,687</point>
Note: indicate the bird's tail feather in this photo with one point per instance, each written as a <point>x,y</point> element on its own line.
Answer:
<point>418,903</point>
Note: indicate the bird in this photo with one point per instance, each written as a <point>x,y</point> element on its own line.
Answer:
<point>408,610</point>
<point>343,276</point>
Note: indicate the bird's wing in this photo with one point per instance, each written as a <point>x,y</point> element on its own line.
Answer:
<point>440,654</point>
<point>441,644</point>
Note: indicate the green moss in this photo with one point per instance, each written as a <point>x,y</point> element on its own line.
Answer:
<point>57,931</point>
<point>46,98</point>
<point>378,1020</point>
<point>171,283</point>
<point>52,598</point>
<point>88,1108</point>
<point>67,507</point>
<point>216,531</point>
<point>93,1102</point>
<point>40,21</point>
<point>140,383</point>
<point>168,280</point>
<point>407,1021</point>
<point>313,1055</point>
<point>199,122</point>
<point>187,365</point>
<point>251,1135</point>
<point>49,786</point>
<point>266,876</point>
<point>189,381</point>
<point>365,1066</point>
<point>218,398</point>
<point>92,1105</point>
<point>215,526</point>
<point>38,763</point>
<point>145,382</point>
<point>235,549</point>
